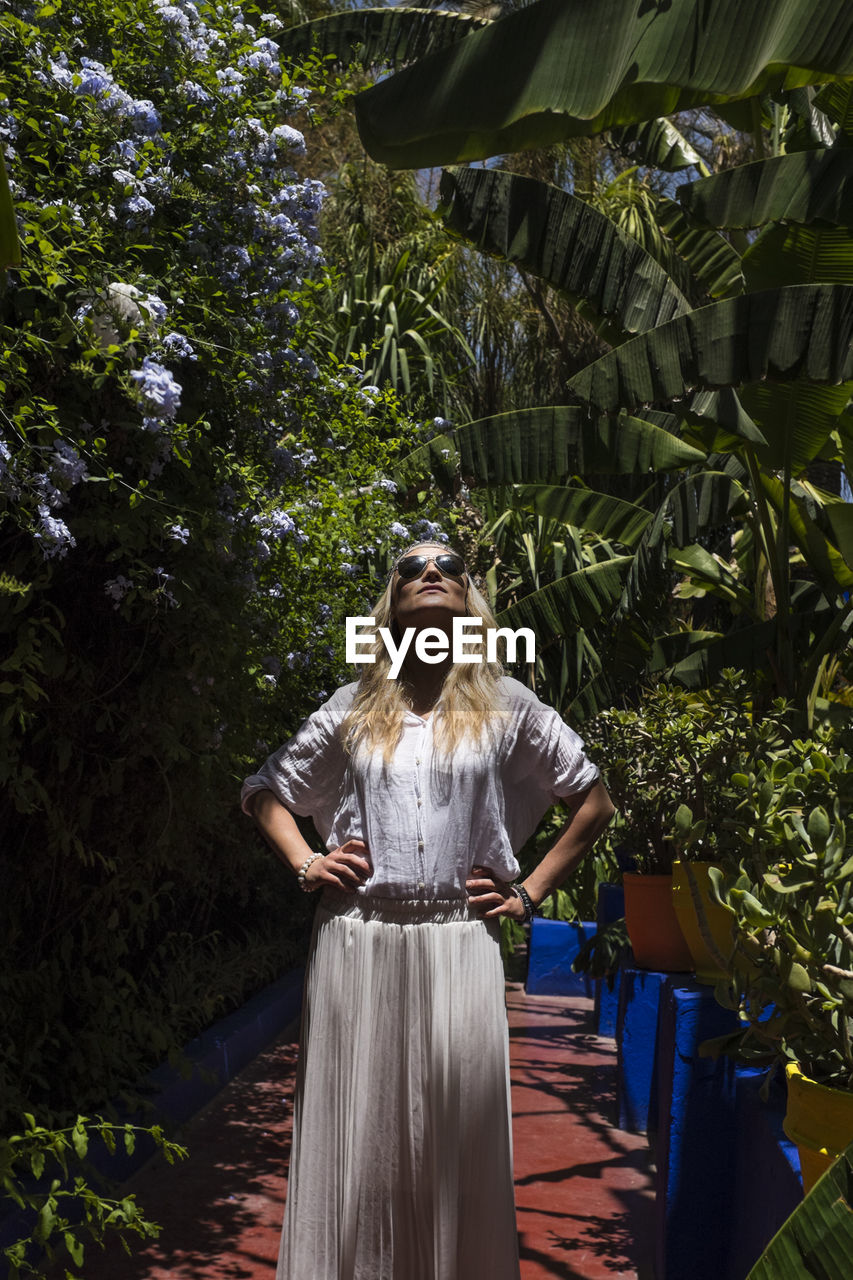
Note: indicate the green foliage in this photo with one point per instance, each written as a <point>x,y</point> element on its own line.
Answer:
<point>790,842</point>
<point>563,68</point>
<point>376,36</point>
<point>190,504</point>
<point>602,955</point>
<point>778,331</point>
<point>39,1173</point>
<point>668,766</point>
<point>817,1239</point>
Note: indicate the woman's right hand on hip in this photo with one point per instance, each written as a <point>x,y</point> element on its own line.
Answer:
<point>344,868</point>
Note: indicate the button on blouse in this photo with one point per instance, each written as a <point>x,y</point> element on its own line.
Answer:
<point>428,818</point>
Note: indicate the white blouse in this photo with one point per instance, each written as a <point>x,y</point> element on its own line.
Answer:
<point>426,818</point>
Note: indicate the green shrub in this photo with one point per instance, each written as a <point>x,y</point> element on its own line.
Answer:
<point>69,1211</point>
<point>672,758</point>
<point>791,900</point>
<point>189,507</point>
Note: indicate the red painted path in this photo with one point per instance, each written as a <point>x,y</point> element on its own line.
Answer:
<point>583,1189</point>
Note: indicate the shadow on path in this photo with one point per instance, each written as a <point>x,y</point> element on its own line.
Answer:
<point>220,1210</point>
<point>583,1189</point>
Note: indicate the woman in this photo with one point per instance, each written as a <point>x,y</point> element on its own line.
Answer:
<point>422,789</point>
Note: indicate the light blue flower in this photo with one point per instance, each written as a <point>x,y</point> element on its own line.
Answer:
<point>146,118</point>
<point>68,464</point>
<point>177,345</point>
<point>53,534</point>
<point>158,389</point>
<point>155,307</point>
<point>194,92</point>
<point>138,205</point>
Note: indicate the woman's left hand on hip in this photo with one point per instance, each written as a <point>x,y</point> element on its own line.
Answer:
<point>490,896</point>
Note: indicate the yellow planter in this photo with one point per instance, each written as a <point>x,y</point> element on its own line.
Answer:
<point>708,927</point>
<point>820,1120</point>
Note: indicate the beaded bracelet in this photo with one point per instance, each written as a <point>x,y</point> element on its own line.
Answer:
<point>300,875</point>
<point>526,901</point>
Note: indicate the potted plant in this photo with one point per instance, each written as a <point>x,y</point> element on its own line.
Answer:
<point>791,902</point>
<point>667,766</point>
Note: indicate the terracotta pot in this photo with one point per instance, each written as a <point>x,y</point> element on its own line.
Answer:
<point>653,928</point>
<point>708,927</point>
<point>820,1120</point>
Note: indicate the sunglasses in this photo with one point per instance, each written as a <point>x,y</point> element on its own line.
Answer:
<point>448,564</point>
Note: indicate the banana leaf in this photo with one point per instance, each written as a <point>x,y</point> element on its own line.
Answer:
<point>836,102</point>
<point>549,443</point>
<point>817,1239</point>
<point>377,37</point>
<point>749,649</point>
<point>10,246</point>
<point>807,126</point>
<point>675,647</point>
<point>805,186</point>
<point>713,261</point>
<point>657,143</point>
<point>706,500</point>
<point>564,68</point>
<point>562,240</point>
<point>800,331</point>
<point>599,513</point>
<point>580,599</point>
<point>701,566</point>
<point>720,421</point>
<point>824,560</point>
<point>799,255</point>
<point>840,516</point>
<point>796,419</point>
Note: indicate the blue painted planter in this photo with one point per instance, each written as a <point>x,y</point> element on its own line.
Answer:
<point>727,1177</point>
<point>768,1186</point>
<point>610,907</point>
<point>636,1048</point>
<point>697,1136</point>
<point>553,947</point>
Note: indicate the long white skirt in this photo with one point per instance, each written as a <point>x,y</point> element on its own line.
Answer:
<point>401,1164</point>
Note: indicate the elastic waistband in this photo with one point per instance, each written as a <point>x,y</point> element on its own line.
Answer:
<point>364,906</point>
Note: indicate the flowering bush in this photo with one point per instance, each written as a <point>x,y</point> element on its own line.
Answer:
<point>189,506</point>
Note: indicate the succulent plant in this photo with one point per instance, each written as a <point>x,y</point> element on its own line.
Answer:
<point>791,899</point>
<point>668,765</point>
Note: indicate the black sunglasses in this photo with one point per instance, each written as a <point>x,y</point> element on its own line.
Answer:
<point>448,564</point>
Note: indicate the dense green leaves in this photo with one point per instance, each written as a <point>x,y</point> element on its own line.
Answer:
<point>553,442</point>
<point>804,186</point>
<point>657,143</point>
<point>191,505</point>
<point>563,68</point>
<point>601,513</point>
<point>564,241</point>
<point>577,600</point>
<point>712,260</point>
<point>376,36</point>
<point>802,331</point>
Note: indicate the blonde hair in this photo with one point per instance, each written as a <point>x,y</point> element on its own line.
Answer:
<point>471,695</point>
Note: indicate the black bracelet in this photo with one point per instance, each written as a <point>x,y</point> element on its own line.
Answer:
<point>526,902</point>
